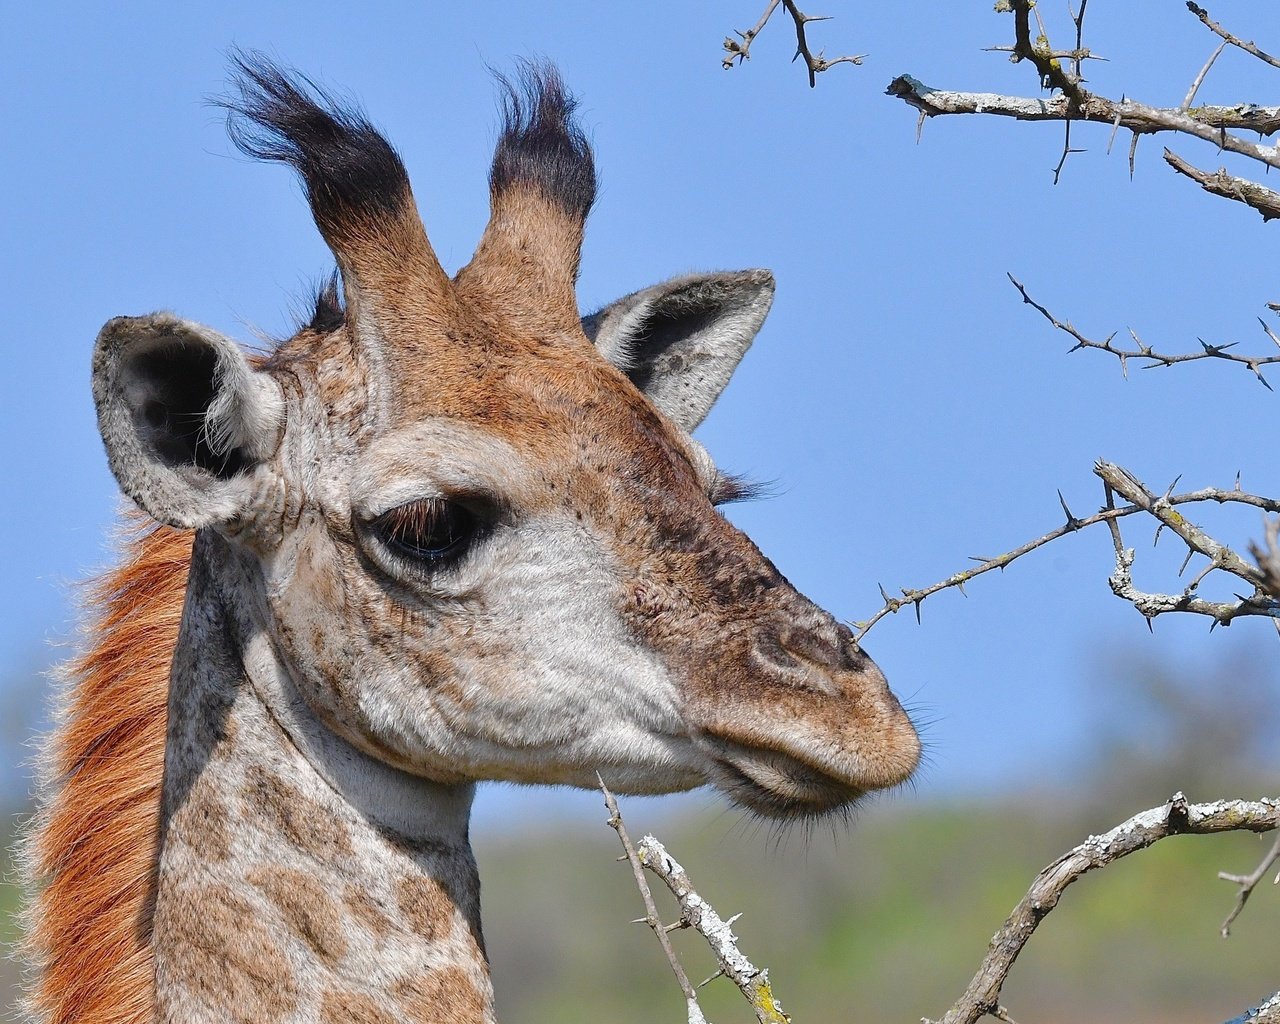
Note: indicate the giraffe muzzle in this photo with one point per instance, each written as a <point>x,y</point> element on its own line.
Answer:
<point>810,729</point>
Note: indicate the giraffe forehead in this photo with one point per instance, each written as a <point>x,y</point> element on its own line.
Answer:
<point>523,416</point>
<point>444,456</point>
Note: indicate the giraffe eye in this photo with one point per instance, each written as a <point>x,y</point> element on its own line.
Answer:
<point>431,530</point>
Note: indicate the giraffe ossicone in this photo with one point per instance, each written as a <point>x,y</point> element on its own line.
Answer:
<point>453,533</point>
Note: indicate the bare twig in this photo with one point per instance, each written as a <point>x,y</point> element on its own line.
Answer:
<point>1049,65</point>
<point>1214,27</point>
<point>1080,51</point>
<point>1199,79</point>
<point>1262,199</point>
<point>1040,53</point>
<point>1075,56</point>
<point>1177,817</point>
<point>1267,555</point>
<point>698,914</point>
<point>1073,102</point>
<point>818,63</point>
<point>739,51</point>
<point>1133,490</point>
<point>1120,481</point>
<point>736,52</point>
<point>1267,1012</point>
<point>1210,123</point>
<point>1144,351</point>
<point>651,911</point>
<point>752,981</point>
<point>1149,604</point>
<point>1248,882</point>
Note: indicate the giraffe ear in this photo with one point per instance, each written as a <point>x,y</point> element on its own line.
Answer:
<point>681,340</point>
<point>184,416</point>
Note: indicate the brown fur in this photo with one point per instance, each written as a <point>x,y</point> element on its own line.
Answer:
<point>353,1008</point>
<point>308,910</point>
<point>365,909</point>
<point>451,986</point>
<point>307,827</point>
<point>426,906</point>
<point>231,960</point>
<point>95,843</point>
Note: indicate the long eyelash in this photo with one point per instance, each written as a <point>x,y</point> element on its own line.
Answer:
<point>732,487</point>
<point>414,517</point>
<point>427,535</point>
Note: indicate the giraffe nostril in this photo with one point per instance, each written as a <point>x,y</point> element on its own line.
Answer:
<point>767,646</point>
<point>794,649</point>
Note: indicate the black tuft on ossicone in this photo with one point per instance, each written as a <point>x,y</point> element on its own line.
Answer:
<point>350,172</point>
<point>327,311</point>
<point>541,144</point>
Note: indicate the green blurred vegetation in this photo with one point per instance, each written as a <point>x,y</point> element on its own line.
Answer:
<point>887,920</point>
<point>888,924</point>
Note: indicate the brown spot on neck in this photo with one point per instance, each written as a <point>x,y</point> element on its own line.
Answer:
<point>422,997</point>
<point>305,824</point>
<point>308,911</point>
<point>218,956</point>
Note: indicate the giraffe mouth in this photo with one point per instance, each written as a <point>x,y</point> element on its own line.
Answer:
<point>776,785</point>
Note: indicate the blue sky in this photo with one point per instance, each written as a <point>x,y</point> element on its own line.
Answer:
<point>908,408</point>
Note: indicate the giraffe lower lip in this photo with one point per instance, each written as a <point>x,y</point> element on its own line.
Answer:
<point>775,785</point>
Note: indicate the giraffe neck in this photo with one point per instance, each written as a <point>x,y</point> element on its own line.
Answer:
<point>299,879</point>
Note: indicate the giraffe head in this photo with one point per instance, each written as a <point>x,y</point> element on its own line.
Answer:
<point>473,524</point>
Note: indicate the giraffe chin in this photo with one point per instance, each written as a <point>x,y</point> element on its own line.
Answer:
<point>772,784</point>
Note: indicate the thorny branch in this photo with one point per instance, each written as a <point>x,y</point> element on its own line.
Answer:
<point>1154,358</point>
<point>981,997</point>
<point>1229,186</point>
<point>1264,601</point>
<point>1120,481</point>
<point>1264,577</point>
<point>651,911</point>
<point>1248,882</point>
<point>1214,27</point>
<point>1267,555</point>
<point>1073,102</point>
<point>737,52</point>
<point>701,916</point>
<point>1177,817</point>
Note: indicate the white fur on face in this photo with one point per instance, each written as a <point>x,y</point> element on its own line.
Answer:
<point>511,663</point>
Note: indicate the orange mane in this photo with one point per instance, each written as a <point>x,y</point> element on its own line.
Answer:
<point>94,847</point>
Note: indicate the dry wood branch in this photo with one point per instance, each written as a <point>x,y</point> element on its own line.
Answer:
<point>698,914</point>
<point>752,981</point>
<point>1134,491</point>
<point>1120,481</point>
<point>1200,77</point>
<point>1261,198</point>
<point>736,52</point>
<point>815,63</point>
<point>1263,602</point>
<point>1146,352</point>
<point>1218,30</point>
<point>1210,123</point>
<point>651,911</point>
<point>1177,817</point>
<point>1267,555</point>
<point>1267,1012</point>
<point>1039,52</point>
<point>1248,882</point>
<point>1151,605</point>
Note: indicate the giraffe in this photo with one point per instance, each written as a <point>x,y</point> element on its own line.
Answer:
<point>451,531</point>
